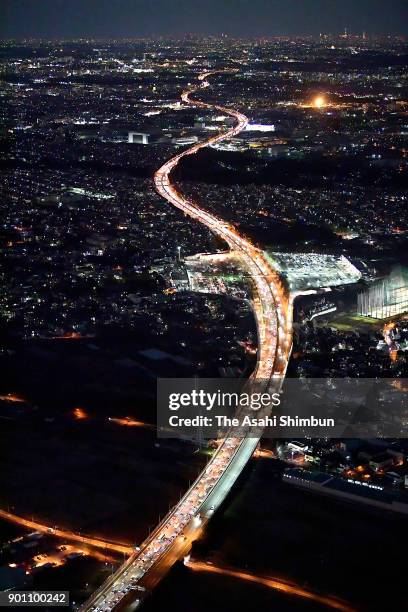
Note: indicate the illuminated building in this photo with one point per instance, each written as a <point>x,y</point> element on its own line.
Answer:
<point>386,298</point>
<point>138,137</point>
<point>307,270</point>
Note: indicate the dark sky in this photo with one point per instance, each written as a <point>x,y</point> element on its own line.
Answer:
<point>134,18</point>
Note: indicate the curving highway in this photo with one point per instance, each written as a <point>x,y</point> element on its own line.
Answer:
<point>172,538</point>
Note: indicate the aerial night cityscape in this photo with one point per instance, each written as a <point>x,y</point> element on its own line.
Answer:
<point>204,305</point>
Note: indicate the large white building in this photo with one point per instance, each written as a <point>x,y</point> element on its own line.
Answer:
<point>313,270</point>
<point>138,137</point>
<point>387,297</point>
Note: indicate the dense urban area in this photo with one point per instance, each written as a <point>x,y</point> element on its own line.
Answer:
<point>108,287</point>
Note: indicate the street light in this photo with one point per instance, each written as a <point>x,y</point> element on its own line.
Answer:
<point>319,102</point>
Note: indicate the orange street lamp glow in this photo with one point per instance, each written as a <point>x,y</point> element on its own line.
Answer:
<point>319,102</point>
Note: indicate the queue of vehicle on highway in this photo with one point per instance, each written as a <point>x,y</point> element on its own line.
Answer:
<point>184,513</point>
<point>271,313</point>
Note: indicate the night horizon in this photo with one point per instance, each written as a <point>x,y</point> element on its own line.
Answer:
<point>239,18</point>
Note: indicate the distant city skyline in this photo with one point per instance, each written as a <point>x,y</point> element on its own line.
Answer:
<point>143,18</point>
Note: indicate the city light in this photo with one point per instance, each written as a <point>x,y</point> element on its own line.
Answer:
<point>319,102</point>
<point>195,207</point>
<point>233,452</point>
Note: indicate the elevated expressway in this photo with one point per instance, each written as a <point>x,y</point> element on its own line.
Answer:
<point>172,538</point>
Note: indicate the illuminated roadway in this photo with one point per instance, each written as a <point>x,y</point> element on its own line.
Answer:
<point>66,535</point>
<point>274,583</point>
<point>272,307</point>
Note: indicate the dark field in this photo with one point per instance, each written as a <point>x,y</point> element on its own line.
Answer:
<point>91,475</point>
<point>270,529</point>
